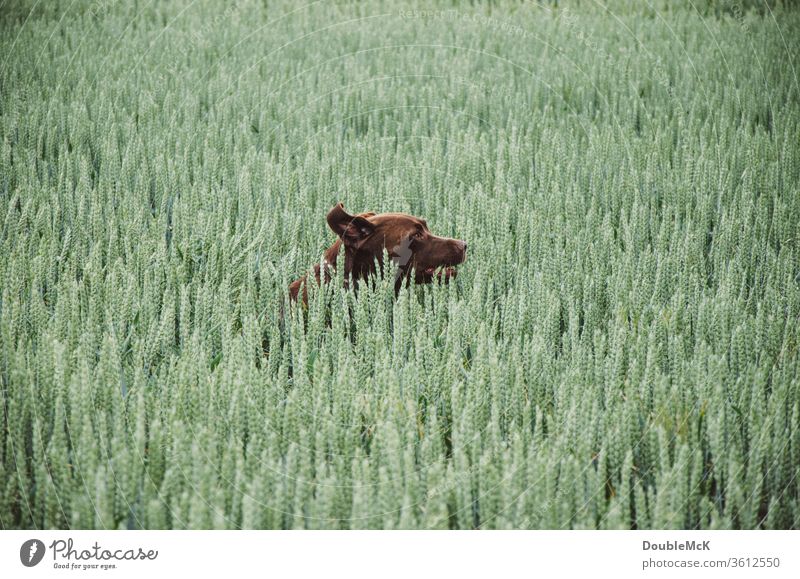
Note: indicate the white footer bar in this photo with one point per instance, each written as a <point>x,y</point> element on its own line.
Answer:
<point>416,554</point>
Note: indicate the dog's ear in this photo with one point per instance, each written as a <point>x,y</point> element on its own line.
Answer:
<point>352,229</point>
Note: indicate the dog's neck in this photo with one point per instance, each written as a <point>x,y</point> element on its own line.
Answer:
<point>359,263</point>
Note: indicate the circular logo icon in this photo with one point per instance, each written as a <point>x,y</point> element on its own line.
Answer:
<point>31,552</point>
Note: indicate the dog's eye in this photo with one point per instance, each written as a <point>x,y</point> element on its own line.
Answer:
<point>418,234</point>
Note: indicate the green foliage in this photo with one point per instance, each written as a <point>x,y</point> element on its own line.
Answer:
<point>619,350</point>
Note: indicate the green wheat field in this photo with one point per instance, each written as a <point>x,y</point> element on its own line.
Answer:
<point>619,350</point>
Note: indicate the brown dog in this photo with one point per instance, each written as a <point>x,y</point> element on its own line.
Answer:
<point>406,238</point>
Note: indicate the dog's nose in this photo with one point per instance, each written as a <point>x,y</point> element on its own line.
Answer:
<point>462,247</point>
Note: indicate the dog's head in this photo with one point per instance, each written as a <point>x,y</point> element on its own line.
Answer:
<point>406,239</point>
